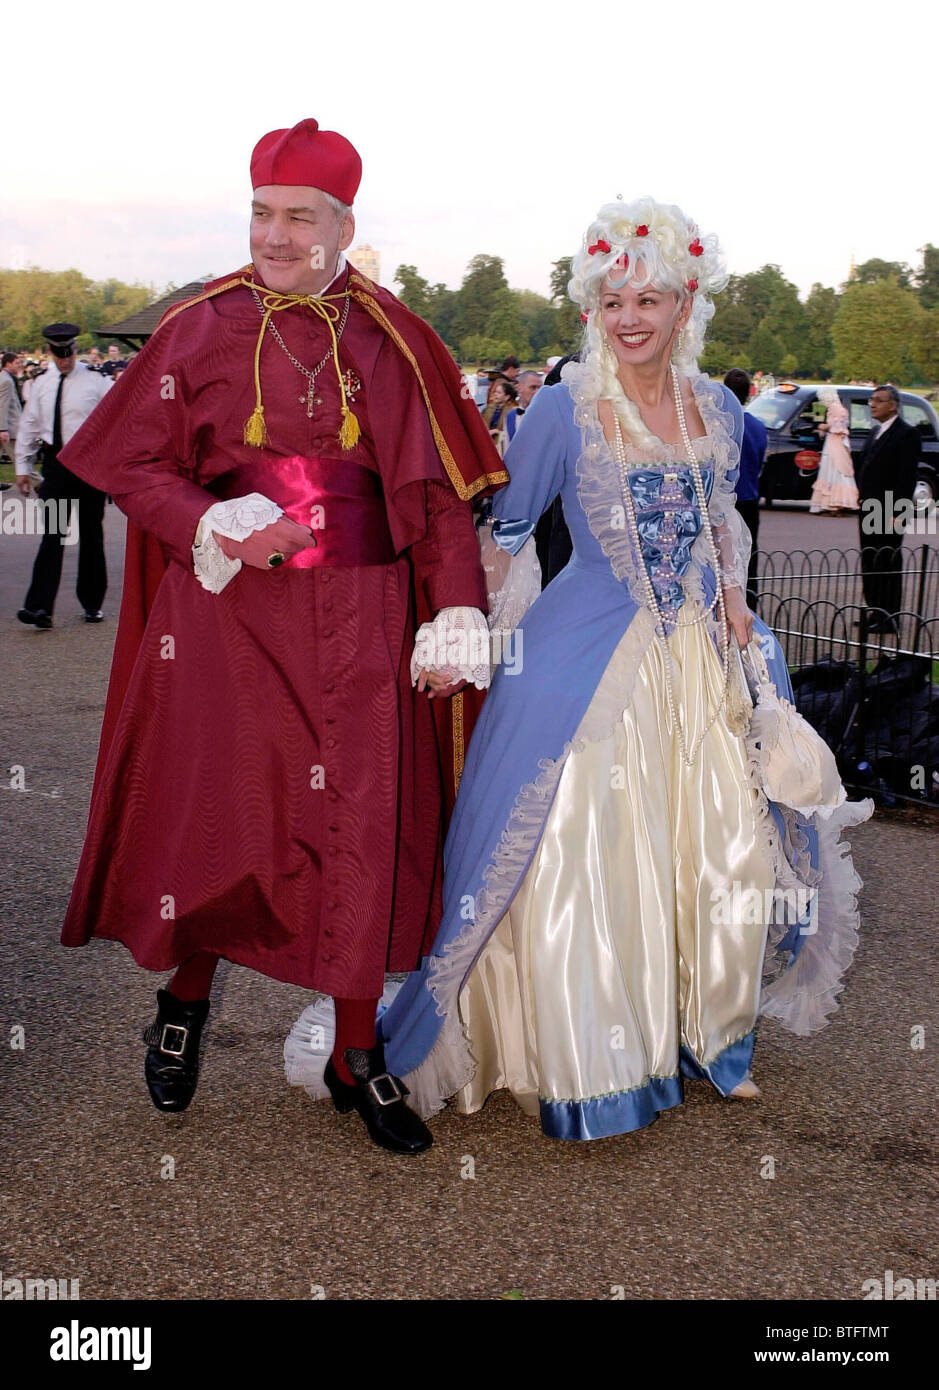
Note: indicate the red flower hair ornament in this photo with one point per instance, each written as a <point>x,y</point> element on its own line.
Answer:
<point>600,245</point>
<point>692,285</point>
<point>696,248</point>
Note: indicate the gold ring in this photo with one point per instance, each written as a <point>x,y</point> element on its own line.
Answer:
<point>277,557</point>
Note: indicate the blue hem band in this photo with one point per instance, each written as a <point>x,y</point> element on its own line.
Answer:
<point>728,1068</point>
<point>604,1116</point>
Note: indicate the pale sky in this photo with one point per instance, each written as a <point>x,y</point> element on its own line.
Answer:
<point>799,134</point>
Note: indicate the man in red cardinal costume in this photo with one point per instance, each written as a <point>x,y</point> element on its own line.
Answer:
<point>296,456</point>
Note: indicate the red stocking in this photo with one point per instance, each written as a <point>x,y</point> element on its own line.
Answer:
<point>355,1027</point>
<point>193,979</point>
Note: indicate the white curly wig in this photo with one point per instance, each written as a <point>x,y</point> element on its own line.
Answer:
<point>643,243</point>
<point>828,395</point>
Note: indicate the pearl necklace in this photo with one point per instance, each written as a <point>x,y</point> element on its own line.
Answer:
<point>651,598</point>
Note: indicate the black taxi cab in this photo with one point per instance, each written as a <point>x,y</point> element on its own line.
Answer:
<point>792,414</point>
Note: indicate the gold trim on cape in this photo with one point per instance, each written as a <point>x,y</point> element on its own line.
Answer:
<point>459,749</point>
<point>463,489</point>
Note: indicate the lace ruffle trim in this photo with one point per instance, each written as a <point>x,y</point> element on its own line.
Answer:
<point>235,517</point>
<point>455,645</point>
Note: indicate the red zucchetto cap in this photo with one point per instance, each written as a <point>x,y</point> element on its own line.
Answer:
<point>309,157</point>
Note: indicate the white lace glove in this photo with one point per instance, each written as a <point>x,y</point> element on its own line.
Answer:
<point>455,645</point>
<point>236,518</point>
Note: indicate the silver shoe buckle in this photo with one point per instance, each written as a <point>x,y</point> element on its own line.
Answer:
<point>174,1028</point>
<point>392,1083</point>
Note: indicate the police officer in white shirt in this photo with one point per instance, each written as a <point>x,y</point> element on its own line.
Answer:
<point>59,403</point>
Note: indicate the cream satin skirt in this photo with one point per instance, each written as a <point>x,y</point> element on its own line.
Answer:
<point>620,951</point>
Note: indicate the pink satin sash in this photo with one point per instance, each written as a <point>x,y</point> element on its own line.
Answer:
<point>342,503</point>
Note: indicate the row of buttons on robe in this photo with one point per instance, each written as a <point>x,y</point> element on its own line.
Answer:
<point>333,795</point>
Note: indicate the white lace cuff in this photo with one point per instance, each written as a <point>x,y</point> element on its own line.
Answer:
<point>236,518</point>
<point>455,645</point>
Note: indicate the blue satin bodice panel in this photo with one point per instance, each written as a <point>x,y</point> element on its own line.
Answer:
<point>668,519</point>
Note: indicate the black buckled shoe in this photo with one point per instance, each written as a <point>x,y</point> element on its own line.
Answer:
<point>172,1064</point>
<point>379,1098</point>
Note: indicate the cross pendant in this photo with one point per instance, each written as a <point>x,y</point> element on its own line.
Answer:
<point>310,400</point>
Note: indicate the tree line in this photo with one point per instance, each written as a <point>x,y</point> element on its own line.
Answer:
<point>32,298</point>
<point>882,324</point>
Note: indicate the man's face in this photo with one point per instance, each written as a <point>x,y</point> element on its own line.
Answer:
<point>64,364</point>
<point>296,238</point>
<point>511,372</point>
<point>19,365</point>
<point>526,390</point>
<point>882,406</point>
<point>114,352</point>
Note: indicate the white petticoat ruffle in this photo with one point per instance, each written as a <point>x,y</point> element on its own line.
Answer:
<point>806,993</point>
<point>236,518</point>
<point>455,645</point>
<point>309,1043</point>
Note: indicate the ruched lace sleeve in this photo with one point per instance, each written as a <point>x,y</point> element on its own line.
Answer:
<point>513,577</point>
<point>724,421</point>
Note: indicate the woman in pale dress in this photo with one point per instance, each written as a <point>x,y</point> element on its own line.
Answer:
<point>614,872</point>
<point>835,489</point>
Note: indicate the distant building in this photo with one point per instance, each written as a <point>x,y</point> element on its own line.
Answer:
<point>366,259</point>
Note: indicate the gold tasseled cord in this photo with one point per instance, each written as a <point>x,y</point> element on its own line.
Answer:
<point>255,430</point>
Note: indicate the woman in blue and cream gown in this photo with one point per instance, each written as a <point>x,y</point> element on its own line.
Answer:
<point>621,900</point>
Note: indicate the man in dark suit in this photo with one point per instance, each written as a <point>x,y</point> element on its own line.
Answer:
<point>886,477</point>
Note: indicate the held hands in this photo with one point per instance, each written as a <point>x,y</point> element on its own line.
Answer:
<point>450,652</point>
<point>739,617</point>
<point>282,535</point>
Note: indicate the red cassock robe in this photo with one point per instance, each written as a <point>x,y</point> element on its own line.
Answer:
<point>269,785</point>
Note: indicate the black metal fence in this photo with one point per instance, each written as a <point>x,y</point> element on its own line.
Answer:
<point>866,678</point>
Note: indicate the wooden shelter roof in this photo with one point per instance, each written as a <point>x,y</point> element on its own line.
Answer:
<point>141,325</point>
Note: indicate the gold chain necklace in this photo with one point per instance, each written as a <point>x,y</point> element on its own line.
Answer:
<point>651,597</point>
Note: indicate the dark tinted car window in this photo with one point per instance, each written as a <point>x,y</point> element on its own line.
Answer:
<point>774,410</point>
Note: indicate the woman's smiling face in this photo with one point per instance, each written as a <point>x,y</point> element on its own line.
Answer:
<point>640,324</point>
